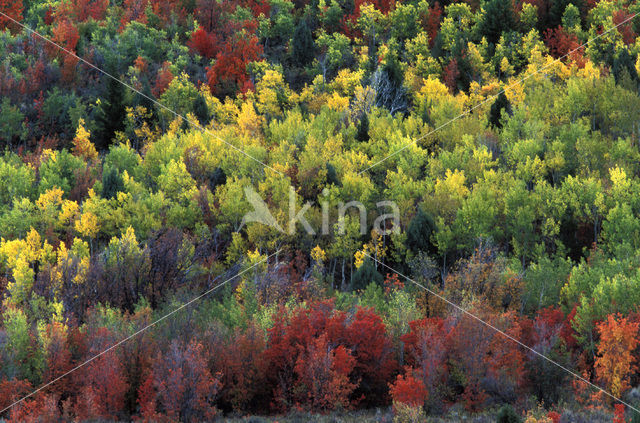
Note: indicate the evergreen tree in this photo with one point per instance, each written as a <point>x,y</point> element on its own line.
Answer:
<point>624,70</point>
<point>366,275</point>
<point>363,129</point>
<point>201,110</point>
<point>501,103</point>
<point>110,113</point>
<point>217,178</point>
<point>112,182</point>
<point>332,175</point>
<point>419,233</point>
<point>498,17</point>
<point>303,46</point>
<point>507,414</point>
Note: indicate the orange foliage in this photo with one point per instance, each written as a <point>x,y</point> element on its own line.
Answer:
<point>163,79</point>
<point>615,361</point>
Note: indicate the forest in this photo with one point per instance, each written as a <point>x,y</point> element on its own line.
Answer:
<point>320,210</point>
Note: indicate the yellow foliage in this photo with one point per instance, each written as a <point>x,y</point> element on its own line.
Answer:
<point>318,255</point>
<point>590,71</point>
<point>82,146</point>
<point>267,90</point>
<point>68,213</point>
<point>374,248</point>
<point>50,198</point>
<point>88,225</point>
<point>347,82</point>
<point>453,185</point>
<point>249,122</point>
<point>505,67</point>
<point>337,102</point>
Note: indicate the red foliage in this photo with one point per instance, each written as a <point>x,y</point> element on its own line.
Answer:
<point>392,283</point>
<point>426,349</point>
<point>564,44</point>
<point>363,335</point>
<point>81,10</point>
<point>180,385</point>
<point>12,390</point>
<point>103,380</point>
<point>204,43</point>
<point>483,354</point>
<point>13,9</point>
<point>554,416</point>
<point>550,323</point>
<point>229,73</point>
<point>618,413</point>
<point>323,375</point>
<point>408,390</point>
<point>141,64</point>
<point>625,29</point>
<point>66,35</point>
<point>59,359</point>
<point>433,23</point>
<point>240,361</point>
<point>616,362</point>
<point>48,16</point>
<point>134,10</point>
<point>163,79</point>
<point>450,75</point>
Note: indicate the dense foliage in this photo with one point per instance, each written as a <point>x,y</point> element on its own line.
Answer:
<point>116,209</point>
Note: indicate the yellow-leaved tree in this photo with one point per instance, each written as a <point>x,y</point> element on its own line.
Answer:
<point>82,146</point>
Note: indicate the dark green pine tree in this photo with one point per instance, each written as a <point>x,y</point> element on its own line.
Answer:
<point>303,46</point>
<point>419,233</point>
<point>499,17</point>
<point>201,111</point>
<point>366,275</point>
<point>363,129</point>
<point>110,114</point>
<point>624,70</point>
<point>507,414</point>
<point>501,103</point>
<point>556,10</point>
<point>112,182</point>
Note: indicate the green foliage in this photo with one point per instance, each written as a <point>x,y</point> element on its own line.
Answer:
<point>112,182</point>
<point>366,275</point>
<point>303,46</point>
<point>507,414</point>
<point>419,232</point>
<point>11,122</point>
<point>498,17</point>
<point>110,113</point>
<point>59,170</point>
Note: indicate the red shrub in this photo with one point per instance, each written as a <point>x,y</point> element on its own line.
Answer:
<point>363,336</point>
<point>180,385</point>
<point>408,390</point>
